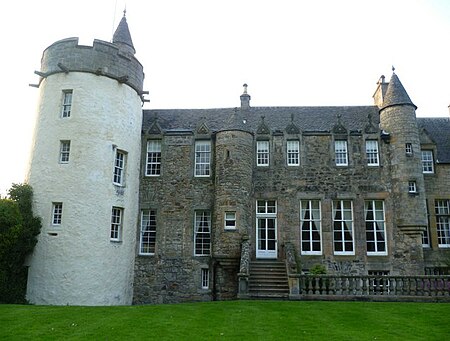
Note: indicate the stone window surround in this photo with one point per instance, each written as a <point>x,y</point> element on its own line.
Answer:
<point>153,157</point>
<point>204,159</point>
<point>204,274</point>
<point>374,152</point>
<point>318,221</point>
<point>151,229</point>
<point>427,160</point>
<point>340,153</point>
<point>263,155</point>
<point>226,220</point>
<point>376,221</point>
<point>202,216</point>
<point>294,152</point>
<point>442,213</point>
<point>344,223</point>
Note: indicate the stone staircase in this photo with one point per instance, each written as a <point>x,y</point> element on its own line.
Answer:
<point>268,280</point>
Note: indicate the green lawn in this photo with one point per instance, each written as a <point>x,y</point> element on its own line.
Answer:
<point>234,320</point>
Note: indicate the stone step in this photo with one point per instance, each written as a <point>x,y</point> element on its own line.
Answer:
<point>268,280</point>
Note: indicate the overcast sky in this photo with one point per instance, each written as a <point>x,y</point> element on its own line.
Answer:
<point>198,53</point>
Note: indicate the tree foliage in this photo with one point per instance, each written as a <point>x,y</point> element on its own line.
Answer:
<point>18,232</point>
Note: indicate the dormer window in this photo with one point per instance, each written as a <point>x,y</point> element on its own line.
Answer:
<point>202,159</point>
<point>427,161</point>
<point>340,151</point>
<point>262,153</point>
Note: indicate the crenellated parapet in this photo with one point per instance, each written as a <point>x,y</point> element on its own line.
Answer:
<point>102,58</point>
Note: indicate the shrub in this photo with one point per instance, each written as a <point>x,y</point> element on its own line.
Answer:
<point>18,231</point>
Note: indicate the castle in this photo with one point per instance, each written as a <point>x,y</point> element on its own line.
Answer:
<point>154,206</point>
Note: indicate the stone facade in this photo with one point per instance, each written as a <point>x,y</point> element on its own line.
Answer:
<point>209,190</point>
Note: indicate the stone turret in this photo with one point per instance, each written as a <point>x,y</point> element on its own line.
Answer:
<point>398,118</point>
<point>84,170</point>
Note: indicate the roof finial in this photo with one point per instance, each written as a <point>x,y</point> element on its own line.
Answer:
<point>393,69</point>
<point>245,88</point>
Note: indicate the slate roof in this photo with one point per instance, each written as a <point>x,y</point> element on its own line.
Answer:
<point>396,94</point>
<point>122,34</point>
<point>438,128</point>
<point>307,119</point>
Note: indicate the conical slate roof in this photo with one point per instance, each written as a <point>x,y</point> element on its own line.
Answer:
<point>396,94</point>
<point>122,34</point>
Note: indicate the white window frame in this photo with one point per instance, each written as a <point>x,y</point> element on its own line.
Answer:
<point>202,158</point>
<point>147,241</point>
<point>66,103</point>
<point>120,158</point>
<point>293,152</point>
<point>57,209</point>
<point>204,272</point>
<point>202,233</point>
<point>409,149</point>
<point>442,211</point>
<point>376,227</point>
<point>372,154</point>
<point>412,186</point>
<point>262,153</point>
<point>311,227</point>
<point>64,151</point>
<point>341,152</point>
<point>153,164</point>
<point>116,224</point>
<point>230,220</point>
<point>340,227</point>
<point>427,161</point>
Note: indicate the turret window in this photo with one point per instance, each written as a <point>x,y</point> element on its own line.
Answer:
<point>119,167</point>
<point>116,224</point>
<point>412,187</point>
<point>64,151</point>
<point>340,150</point>
<point>427,161</point>
<point>57,213</point>
<point>67,103</point>
<point>230,220</point>
<point>408,149</point>
<point>372,153</point>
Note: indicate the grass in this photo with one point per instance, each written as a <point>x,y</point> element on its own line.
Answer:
<point>232,320</point>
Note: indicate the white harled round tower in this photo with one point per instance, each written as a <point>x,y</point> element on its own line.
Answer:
<point>84,170</point>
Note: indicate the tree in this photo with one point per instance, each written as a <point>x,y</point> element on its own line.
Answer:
<point>18,232</point>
